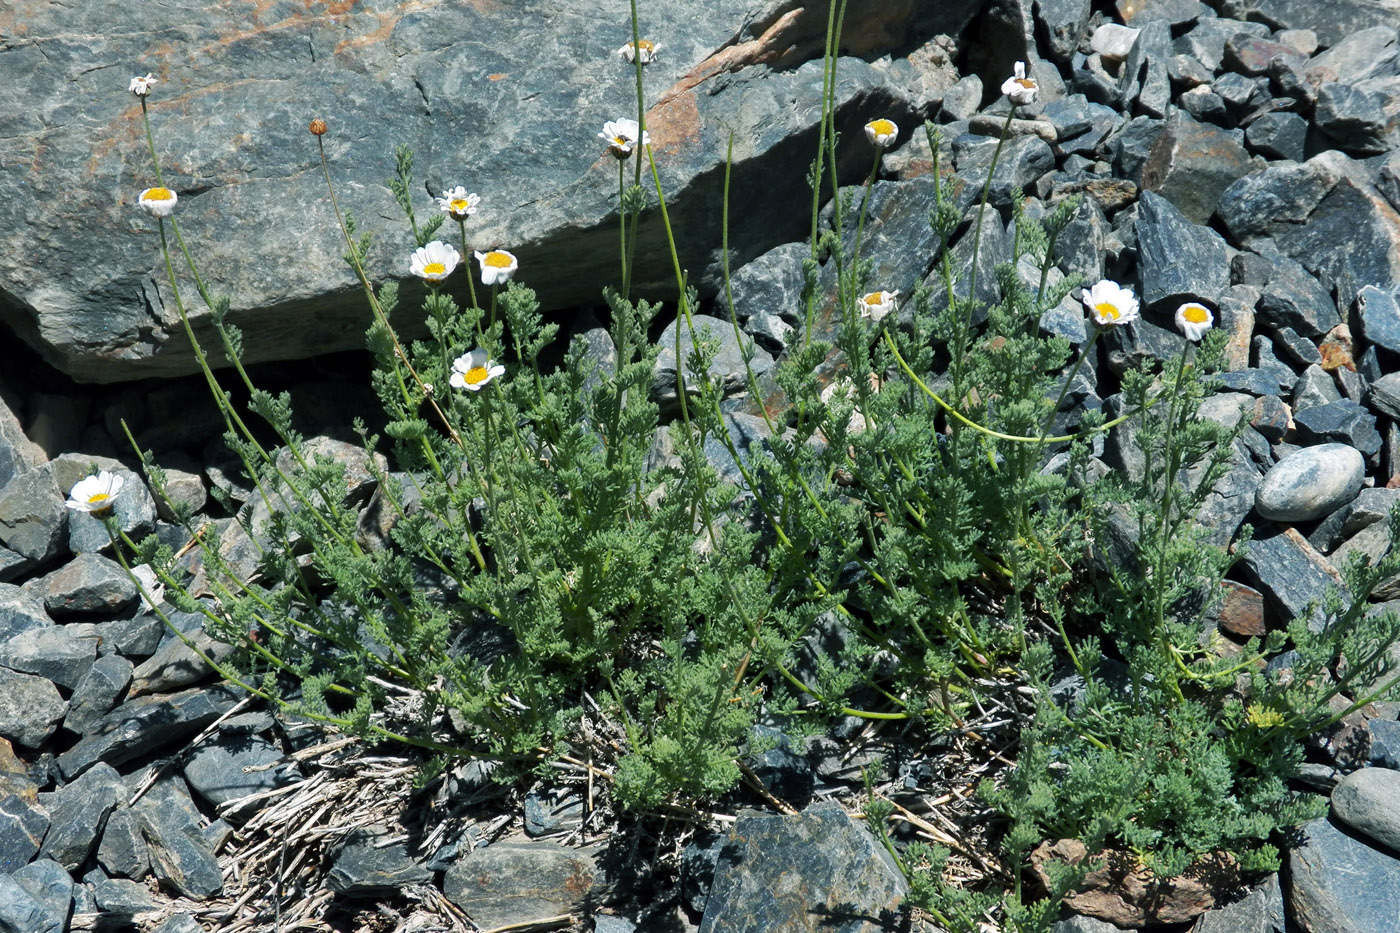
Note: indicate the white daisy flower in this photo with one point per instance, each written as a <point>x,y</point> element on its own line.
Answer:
<point>876,305</point>
<point>158,202</point>
<point>647,53</point>
<point>1194,319</point>
<point>95,493</point>
<point>474,370</point>
<point>497,266</point>
<point>621,137</point>
<point>142,86</point>
<point>434,261</point>
<point>1111,304</point>
<point>1019,88</point>
<point>882,132</point>
<point>457,203</point>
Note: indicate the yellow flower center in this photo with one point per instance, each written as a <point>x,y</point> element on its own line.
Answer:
<point>875,298</point>
<point>475,376</point>
<point>646,45</point>
<point>459,204</point>
<point>1026,83</point>
<point>1107,310</point>
<point>882,127</point>
<point>97,498</point>
<point>434,268</point>
<point>498,260</point>
<point>159,194</point>
<point>1196,314</point>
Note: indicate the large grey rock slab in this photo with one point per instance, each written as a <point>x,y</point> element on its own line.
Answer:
<point>1290,573</point>
<point>144,724</point>
<point>818,870</point>
<point>1178,260</point>
<point>507,104</point>
<point>1333,21</point>
<point>62,653</point>
<point>1342,884</point>
<point>517,882</point>
<point>78,811</point>
<point>51,891</point>
<point>181,857</point>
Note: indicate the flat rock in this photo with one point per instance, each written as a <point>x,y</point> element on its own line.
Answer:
<point>30,708</point>
<point>234,766</point>
<point>1332,21</point>
<point>818,869</point>
<point>1178,260</point>
<point>1311,483</point>
<point>1290,573</point>
<point>466,85</point>
<point>51,889</point>
<point>1368,801</point>
<point>1192,163</point>
<point>181,858</point>
<point>1342,884</point>
<point>78,810</point>
<point>147,723</point>
<point>510,883</point>
<point>360,867</point>
<point>88,583</point>
<point>61,653</point>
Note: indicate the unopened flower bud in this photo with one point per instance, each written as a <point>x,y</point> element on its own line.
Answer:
<point>318,127</point>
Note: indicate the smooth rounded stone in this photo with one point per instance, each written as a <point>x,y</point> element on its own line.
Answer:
<point>1342,884</point>
<point>236,766</point>
<point>1368,801</point>
<point>796,872</point>
<point>1311,483</point>
<point>1113,41</point>
<point>88,583</point>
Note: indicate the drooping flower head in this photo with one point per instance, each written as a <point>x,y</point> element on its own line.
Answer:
<point>317,127</point>
<point>95,493</point>
<point>645,50</point>
<point>473,370</point>
<point>158,202</point>
<point>142,86</point>
<point>1020,89</point>
<point>497,266</point>
<point>1110,304</point>
<point>876,305</point>
<point>882,132</point>
<point>456,203</point>
<point>621,137</point>
<point>434,262</point>
<point>1194,319</point>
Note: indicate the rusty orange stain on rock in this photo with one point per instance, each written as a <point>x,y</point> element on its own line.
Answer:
<point>497,76</point>
<point>674,121</point>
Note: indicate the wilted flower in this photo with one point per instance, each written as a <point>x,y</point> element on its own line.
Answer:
<point>497,266</point>
<point>1020,89</point>
<point>876,305</point>
<point>647,53</point>
<point>434,262</point>
<point>158,202</point>
<point>1194,319</point>
<point>95,493</point>
<point>621,136</point>
<point>317,127</point>
<point>882,132</point>
<point>457,203</point>
<point>1111,304</point>
<point>142,86</point>
<point>474,370</point>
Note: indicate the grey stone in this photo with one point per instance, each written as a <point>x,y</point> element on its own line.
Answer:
<point>1365,53</point>
<point>1080,247</point>
<point>728,364</point>
<point>21,911</point>
<point>18,453</point>
<point>1113,41</point>
<point>1178,260</point>
<point>1311,483</point>
<point>145,724</point>
<point>30,708</point>
<point>123,851</point>
<point>1380,316</point>
<point>184,487</point>
<point>177,663</point>
<point>1315,387</point>
<point>605,923</point>
<point>33,517</point>
<point>61,653</point>
<point>1082,924</point>
<point>1272,418</point>
<point>1365,800</point>
<point>1278,135</point>
<point>1204,104</point>
<point>52,889</point>
<point>1340,883</point>
<point>233,766</point>
<point>181,859</point>
<point>1186,71</point>
<point>78,810</point>
<point>1291,574</point>
<point>1354,118</point>
<point>734,64</point>
<point>1206,40</point>
<point>783,770</point>
<point>771,284</point>
<point>23,823</point>
<point>797,872</point>
<point>1281,196</point>
<point>1260,911</point>
<point>1254,381</point>
<point>122,897</point>
<point>1171,12</point>
<point>97,692</point>
<point>1385,743</point>
<point>1294,299</point>
<point>1145,86</point>
<point>1023,160</point>
<point>179,923</point>
<point>1131,144</point>
<point>1192,163</point>
<point>1237,91</point>
<point>1343,421</point>
<point>1070,116</point>
<point>1251,55</point>
<point>88,583</point>
<point>771,332</point>
<point>962,100</point>
<point>552,810</point>
<point>1064,23</point>
<point>135,637</point>
<point>1102,119</point>
<point>1298,348</point>
<point>362,867</point>
<point>515,882</point>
